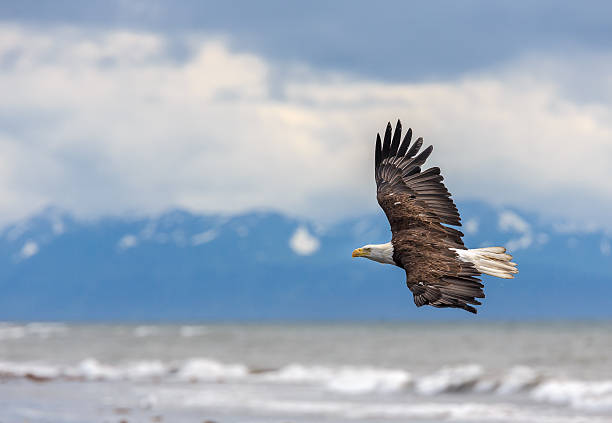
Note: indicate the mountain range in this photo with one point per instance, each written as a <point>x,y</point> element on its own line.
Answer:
<point>181,266</point>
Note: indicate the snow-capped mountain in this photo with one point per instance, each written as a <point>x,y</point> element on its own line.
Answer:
<point>265,265</point>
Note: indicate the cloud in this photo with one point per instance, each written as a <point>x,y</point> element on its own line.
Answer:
<point>512,222</point>
<point>204,237</point>
<point>471,226</point>
<point>29,249</point>
<point>605,247</point>
<point>331,35</point>
<point>109,122</point>
<point>303,243</point>
<point>519,243</point>
<point>58,227</point>
<point>127,241</point>
<point>509,221</point>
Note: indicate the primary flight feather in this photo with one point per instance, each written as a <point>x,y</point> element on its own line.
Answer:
<point>440,270</point>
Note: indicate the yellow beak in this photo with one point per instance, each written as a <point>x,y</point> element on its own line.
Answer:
<point>358,252</point>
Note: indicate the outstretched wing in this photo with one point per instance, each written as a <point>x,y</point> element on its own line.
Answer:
<point>418,207</point>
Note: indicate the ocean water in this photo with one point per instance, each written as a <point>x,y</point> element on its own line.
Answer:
<point>234,373</point>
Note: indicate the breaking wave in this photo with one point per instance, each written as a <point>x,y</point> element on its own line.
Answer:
<point>581,395</point>
<point>449,379</point>
<point>90,369</point>
<point>346,379</point>
<point>205,370</point>
<point>466,379</point>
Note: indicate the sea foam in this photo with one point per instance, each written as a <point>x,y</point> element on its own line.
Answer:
<point>344,378</point>
<point>348,380</point>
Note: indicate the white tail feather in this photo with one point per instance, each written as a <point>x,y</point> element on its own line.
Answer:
<point>491,260</point>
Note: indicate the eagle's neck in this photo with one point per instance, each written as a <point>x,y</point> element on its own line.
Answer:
<point>382,253</point>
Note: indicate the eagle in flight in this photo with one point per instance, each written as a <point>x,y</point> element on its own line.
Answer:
<point>440,270</point>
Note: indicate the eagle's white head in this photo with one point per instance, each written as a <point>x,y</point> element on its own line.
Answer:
<point>382,253</point>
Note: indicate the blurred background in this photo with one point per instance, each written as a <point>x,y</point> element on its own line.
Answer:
<point>183,183</point>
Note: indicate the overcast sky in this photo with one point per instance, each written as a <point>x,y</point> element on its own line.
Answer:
<point>133,107</point>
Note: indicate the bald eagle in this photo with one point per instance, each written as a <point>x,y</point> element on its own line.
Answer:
<point>440,270</point>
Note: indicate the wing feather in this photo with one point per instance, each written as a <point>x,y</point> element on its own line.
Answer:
<point>405,144</point>
<point>415,147</point>
<point>387,141</point>
<point>411,171</point>
<point>377,153</point>
<point>396,139</point>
